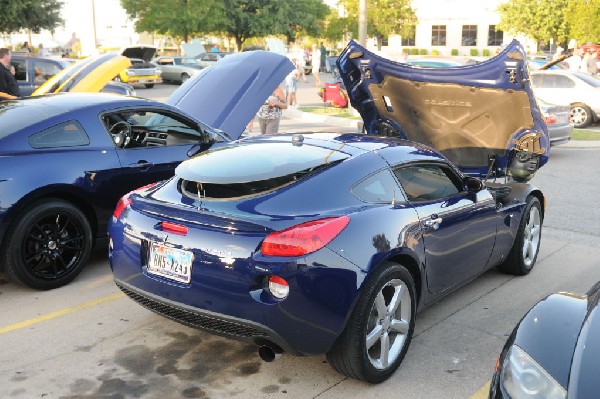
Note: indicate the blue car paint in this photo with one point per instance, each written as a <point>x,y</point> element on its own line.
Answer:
<point>228,273</point>
<point>508,71</point>
<point>561,334</point>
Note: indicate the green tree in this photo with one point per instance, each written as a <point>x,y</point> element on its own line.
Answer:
<point>584,19</point>
<point>538,19</point>
<point>180,19</point>
<point>30,15</point>
<point>303,17</point>
<point>393,17</point>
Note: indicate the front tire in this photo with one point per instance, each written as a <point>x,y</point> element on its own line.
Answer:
<point>48,246</point>
<point>184,77</point>
<point>581,116</point>
<point>378,334</point>
<point>149,85</point>
<point>523,255</point>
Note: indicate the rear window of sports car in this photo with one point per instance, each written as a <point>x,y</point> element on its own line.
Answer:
<point>251,169</point>
<point>19,114</point>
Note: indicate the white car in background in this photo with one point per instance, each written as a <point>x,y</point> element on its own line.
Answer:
<point>578,90</point>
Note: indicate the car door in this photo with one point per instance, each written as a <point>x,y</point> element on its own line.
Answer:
<point>167,68</point>
<point>159,140</point>
<point>22,75</point>
<point>459,227</point>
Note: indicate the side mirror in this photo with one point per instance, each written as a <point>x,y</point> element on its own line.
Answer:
<point>473,184</point>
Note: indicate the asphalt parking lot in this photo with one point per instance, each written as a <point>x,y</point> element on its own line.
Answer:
<point>86,340</point>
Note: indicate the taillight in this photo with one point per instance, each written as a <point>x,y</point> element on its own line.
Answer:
<point>278,287</point>
<point>304,238</point>
<point>550,119</point>
<point>125,201</point>
<point>174,228</point>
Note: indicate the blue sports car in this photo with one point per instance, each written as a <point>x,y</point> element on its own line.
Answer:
<point>66,159</point>
<point>331,243</point>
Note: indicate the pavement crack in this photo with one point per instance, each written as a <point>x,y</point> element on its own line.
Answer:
<point>331,387</point>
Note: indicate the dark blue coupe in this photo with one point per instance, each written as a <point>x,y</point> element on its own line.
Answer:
<point>66,159</point>
<point>330,243</point>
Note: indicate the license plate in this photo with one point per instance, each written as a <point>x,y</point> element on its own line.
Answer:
<point>142,80</point>
<point>172,263</point>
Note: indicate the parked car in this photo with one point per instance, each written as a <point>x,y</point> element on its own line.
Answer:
<point>330,243</point>
<point>141,71</point>
<point>578,90</point>
<point>557,119</point>
<point>207,59</point>
<point>554,351</point>
<point>177,69</point>
<point>65,159</point>
<point>32,71</point>
<point>535,64</point>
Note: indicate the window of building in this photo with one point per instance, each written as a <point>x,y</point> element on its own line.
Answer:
<point>408,41</point>
<point>495,37</point>
<point>438,35</point>
<point>469,35</point>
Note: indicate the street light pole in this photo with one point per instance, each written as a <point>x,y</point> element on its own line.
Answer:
<point>362,22</point>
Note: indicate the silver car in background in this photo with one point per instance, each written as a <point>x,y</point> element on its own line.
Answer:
<point>177,69</point>
<point>558,121</point>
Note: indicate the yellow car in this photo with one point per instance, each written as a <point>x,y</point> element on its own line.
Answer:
<point>141,71</point>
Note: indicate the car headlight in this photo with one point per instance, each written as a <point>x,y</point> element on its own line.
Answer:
<point>129,73</point>
<point>523,378</point>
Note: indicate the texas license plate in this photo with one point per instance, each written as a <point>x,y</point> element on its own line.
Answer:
<point>172,263</point>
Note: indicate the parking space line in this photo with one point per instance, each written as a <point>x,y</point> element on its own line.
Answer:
<point>59,313</point>
<point>483,392</point>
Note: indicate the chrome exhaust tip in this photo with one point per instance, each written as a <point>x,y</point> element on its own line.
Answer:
<point>268,353</point>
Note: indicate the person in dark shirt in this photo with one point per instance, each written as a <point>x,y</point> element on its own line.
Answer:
<point>8,83</point>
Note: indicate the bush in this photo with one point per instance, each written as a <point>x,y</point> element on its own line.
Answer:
<point>435,52</point>
<point>454,51</point>
<point>414,51</point>
<point>474,52</point>
<point>486,52</point>
<point>406,50</point>
<point>423,51</point>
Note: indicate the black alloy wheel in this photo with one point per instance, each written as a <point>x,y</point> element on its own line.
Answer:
<point>48,245</point>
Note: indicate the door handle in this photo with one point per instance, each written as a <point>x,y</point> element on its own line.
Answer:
<point>433,223</point>
<point>141,165</point>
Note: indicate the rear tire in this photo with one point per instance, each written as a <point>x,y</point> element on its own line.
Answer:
<point>149,85</point>
<point>378,333</point>
<point>581,116</point>
<point>48,245</point>
<point>184,77</point>
<point>523,255</point>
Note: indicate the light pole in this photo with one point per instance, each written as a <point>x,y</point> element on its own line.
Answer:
<point>362,22</point>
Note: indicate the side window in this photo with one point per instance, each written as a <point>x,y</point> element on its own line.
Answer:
<point>20,69</point>
<point>68,134</point>
<point>562,82</point>
<point>426,182</point>
<point>44,70</point>
<point>141,129</point>
<point>380,187</point>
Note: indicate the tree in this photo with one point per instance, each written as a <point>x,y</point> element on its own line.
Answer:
<point>538,19</point>
<point>179,19</point>
<point>393,17</point>
<point>30,15</point>
<point>303,17</point>
<point>584,19</point>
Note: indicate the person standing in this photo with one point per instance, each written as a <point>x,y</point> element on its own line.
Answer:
<point>43,51</point>
<point>316,57</point>
<point>592,66</point>
<point>323,58</point>
<point>8,83</point>
<point>291,85</point>
<point>270,112</point>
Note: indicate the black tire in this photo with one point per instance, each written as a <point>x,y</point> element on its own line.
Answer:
<point>524,252</point>
<point>581,116</point>
<point>149,85</point>
<point>48,245</point>
<point>351,354</point>
<point>184,77</point>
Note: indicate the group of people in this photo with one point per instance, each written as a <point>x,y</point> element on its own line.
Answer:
<point>581,60</point>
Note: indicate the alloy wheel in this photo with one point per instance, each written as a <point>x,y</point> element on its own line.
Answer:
<point>532,234</point>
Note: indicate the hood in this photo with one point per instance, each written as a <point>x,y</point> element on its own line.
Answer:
<point>145,53</point>
<point>88,75</point>
<point>228,94</point>
<point>475,115</point>
<point>583,379</point>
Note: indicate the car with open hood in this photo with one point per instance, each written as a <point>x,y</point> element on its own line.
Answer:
<point>554,351</point>
<point>142,71</point>
<point>313,243</point>
<point>66,158</point>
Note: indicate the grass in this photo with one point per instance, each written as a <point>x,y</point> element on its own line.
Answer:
<point>584,134</point>
<point>330,111</point>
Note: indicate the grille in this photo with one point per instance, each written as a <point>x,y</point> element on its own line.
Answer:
<point>203,322</point>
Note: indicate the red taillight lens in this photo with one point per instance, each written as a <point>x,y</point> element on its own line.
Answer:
<point>278,287</point>
<point>550,119</point>
<point>123,203</point>
<point>174,228</point>
<point>304,238</point>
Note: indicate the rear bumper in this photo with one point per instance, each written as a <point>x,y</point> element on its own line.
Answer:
<point>214,323</point>
<point>560,134</point>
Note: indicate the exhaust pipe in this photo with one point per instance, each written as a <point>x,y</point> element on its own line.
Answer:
<point>269,353</point>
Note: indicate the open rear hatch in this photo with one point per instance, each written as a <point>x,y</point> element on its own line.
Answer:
<point>482,117</point>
